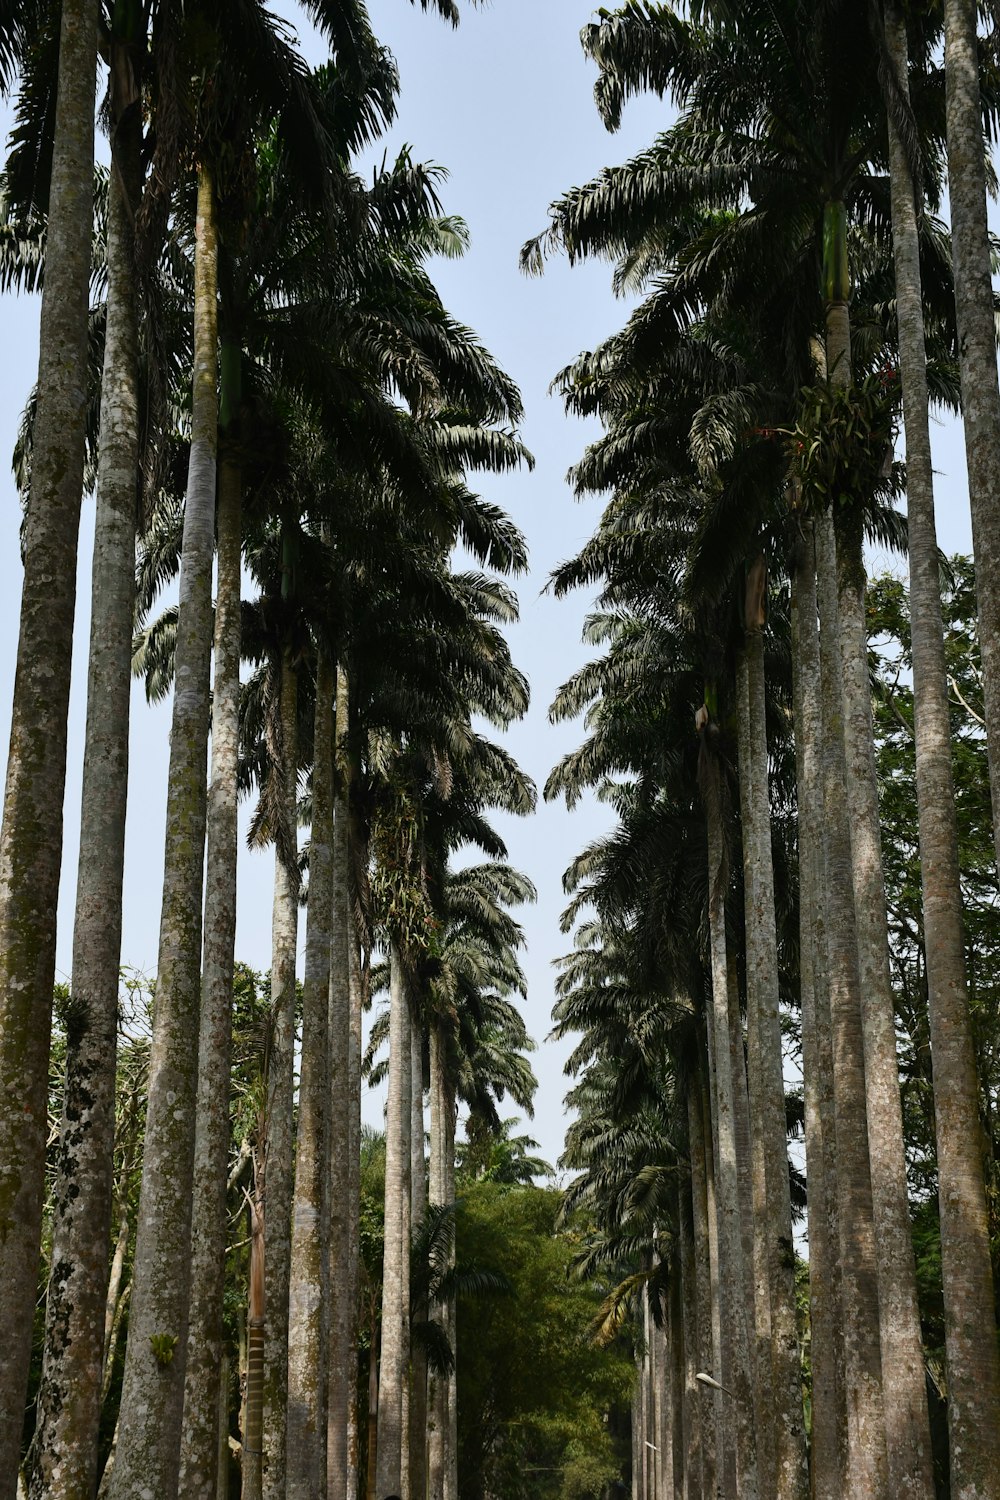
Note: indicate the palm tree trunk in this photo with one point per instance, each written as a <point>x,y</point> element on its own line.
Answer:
<point>206,1339</point>
<point>281,1088</point>
<point>972,256</point>
<point>451,1445</point>
<point>418,1212</point>
<point>866,1475</point>
<point>392,1459</point>
<point>443,1406</point>
<point>654,1341</point>
<point>753,1213</point>
<point>307,1359</point>
<point>64,1448</point>
<point>903,1382</point>
<point>647,1483</point>
<point>690,1433</point>
<point>148,1453</point>
<point>31,835</point>
<point>704,1360</point>
<point>829,1415</point>
<point>344,1147</point>
<point>725,1444</point>
<point>767,1085</point>
<point>354,1052</point>
<point>731,1255</point>
<point>970,1319</point>
<point>373,1384</point>
<point>438,1384</point>
<point>678,1477</point>
<point>253,1428</point>
<point>637,1429</point>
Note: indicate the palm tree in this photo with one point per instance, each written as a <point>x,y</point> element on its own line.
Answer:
<point>154,1383</point>
<point>977,350</point>
<point>476,1038</point>
<point>31,834</point>
<point>63,1460</point>
<point>973,1367</point>
<point>829,1411</point>
<point>636,50</point>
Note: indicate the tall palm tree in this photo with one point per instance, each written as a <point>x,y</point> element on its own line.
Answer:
<point>976,348</point>
<point>63,1460</point>
<point>973,1365</point>
<point>637,49</point>
<point>154,1382</point>
<point>31,833</point>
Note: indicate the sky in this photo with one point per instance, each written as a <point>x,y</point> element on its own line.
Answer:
<point>504,103</point>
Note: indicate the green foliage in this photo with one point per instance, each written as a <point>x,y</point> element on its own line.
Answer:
<point>500,1156</point>
<point>537,1400</point>
<point>163,1346</point>
<point>840,449</point>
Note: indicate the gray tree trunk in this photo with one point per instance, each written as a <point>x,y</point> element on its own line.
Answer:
<point>344,1147</point>
<point>725,1441</point>
<point>637,1430</point>
<point>751,1177</point>
<point>307,1358</point>
<point>437,1421</point>
<point>253,1414</point>
<point>691,1425</point>
<point>148,1453</point>
<point>731,1255</point>
<point>903,1382</point>
<point>970,1319</point>
<point>977,349</point>
<point>31,835</point>
<point>866,1477</point>
<point>442,1442</point>
<point>704,1359</point>
<point>418,1212</point>
<point>354,1158</point>
<point>766,1074</point>
<point>448,1167</point>
<point>281,1089</point>
<point>829,1415</point>
<point>209,1222</point>
<point>678,1478</point>
<point>392,1470</point>
<point>64,1449</point>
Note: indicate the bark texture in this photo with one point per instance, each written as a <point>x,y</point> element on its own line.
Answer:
<point>977,352</point>
<point>206,1341</point>
<point>418,1212</point>
<point>31,835</point>
<point>63,1460</point>
<point>437,1416</point>
<point>307,1411</point>
<point>280,1096</point>
<point>704,1353</point>
<point>867,1473</point>
<point>392,1467</point>
<point>970,1319</point>
<point>903,1383</point>
<point>767,1084</point>
<point>829,1416</point>
<point>345,1142</point>
<point>737,1379</point>
<point>148,1452</point>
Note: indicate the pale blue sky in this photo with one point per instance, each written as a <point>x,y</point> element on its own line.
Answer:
<point>504,103</point>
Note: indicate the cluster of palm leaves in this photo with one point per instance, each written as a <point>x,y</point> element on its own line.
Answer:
<point>800,303</point>
<point>267,394</point>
